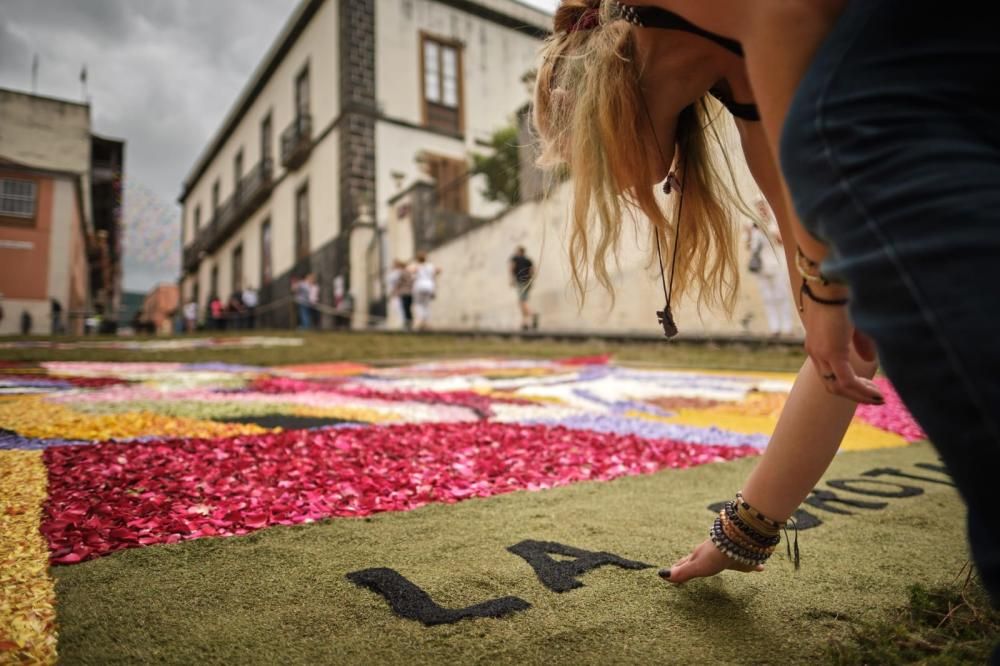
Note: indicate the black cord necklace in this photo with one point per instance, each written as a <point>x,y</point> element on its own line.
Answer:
<point>665,317</point>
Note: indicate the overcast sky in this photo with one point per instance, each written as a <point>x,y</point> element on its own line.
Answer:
<point>161,74</point>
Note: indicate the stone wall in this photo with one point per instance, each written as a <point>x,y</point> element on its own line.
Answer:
<point>475,291</point>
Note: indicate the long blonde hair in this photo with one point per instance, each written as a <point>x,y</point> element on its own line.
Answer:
<point>588,113</point>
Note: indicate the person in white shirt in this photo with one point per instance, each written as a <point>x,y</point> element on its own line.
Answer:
<point>250,302</point>
<point>769,271</point>
<point>424,290</point>
<point>191,316</point>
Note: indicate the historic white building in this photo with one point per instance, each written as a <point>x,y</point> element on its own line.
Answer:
<point>355,101</point>
<point>350,147</point>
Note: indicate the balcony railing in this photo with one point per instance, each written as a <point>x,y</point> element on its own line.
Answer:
<point>222,224</point>
<point>254,188</point>
<point>192,254</point>
<point>252,191</point>
<point>296,142</point>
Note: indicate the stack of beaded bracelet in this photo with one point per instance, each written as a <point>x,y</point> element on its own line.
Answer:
<point>744,534</point>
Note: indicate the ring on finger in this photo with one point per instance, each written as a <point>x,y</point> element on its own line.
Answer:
<point>829,377</point>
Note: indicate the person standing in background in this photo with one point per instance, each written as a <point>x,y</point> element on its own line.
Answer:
<point>313,299</point>
<point>250,301</point>
<point>190,316</point>
<point>216,311</point>
<point>400,286</point>
<point>522,273</point>
<point>770,273</point>
<point>424,290</point>
<point>235,311</point>
<point>56,310</point>
<point>300,293</point>
<point>341,315</point>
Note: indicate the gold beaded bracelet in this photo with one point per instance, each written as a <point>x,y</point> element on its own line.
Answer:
<point>809,269</point>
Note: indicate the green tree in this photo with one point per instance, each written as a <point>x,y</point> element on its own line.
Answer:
<point>501,168</point>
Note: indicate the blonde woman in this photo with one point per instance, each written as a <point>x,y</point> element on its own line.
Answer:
<point>628,97</point>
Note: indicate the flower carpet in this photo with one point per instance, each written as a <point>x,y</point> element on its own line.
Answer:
<point>98,460</point>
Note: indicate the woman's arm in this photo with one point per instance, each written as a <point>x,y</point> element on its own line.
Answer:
<point>813,421</point>
<point>780,38</point>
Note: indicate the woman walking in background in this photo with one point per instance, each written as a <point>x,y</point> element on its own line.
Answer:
<point>522,275</point>
<point>400,284</point>
<point>424,290</point>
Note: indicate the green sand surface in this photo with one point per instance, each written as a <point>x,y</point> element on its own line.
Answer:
<point>281,596</point>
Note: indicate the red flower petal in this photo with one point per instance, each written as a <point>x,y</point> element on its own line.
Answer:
<point>201,487</point>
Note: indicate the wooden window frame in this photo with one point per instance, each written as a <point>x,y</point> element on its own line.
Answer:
<point>239,169</point>
<point>266,256</point>
<point>303,190</point>
<point>213,282</point>
<point>236,268</point>
<point>458,178</point>
<point>216,197</point>
<point>12,220</point>
<point>303,73</point>
<point>267,146</point>
<point>459,48</point>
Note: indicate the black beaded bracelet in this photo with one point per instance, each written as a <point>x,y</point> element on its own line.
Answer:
<point>804,290</point>
<point>733,550</point>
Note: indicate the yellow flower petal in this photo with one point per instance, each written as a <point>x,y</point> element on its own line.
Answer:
<point>27,593</point>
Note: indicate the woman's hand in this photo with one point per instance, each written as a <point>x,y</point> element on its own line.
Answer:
<point>829,336</point>
<point>705,560</point>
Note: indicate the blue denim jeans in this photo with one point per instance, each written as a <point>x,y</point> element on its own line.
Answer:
<point>891,150</point>
<point>305,315</point>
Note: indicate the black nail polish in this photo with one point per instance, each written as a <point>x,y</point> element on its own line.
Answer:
<point>664,573</point>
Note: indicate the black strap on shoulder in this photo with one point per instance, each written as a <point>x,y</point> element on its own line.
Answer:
<point>741,110</point>
<point>656,17</point>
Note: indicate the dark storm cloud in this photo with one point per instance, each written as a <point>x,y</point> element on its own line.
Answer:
<point>161,74</point>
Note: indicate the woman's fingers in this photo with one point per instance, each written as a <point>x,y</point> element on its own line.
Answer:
<point>839,378</point>
<point>829,337</point>
<point>856,388</point>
